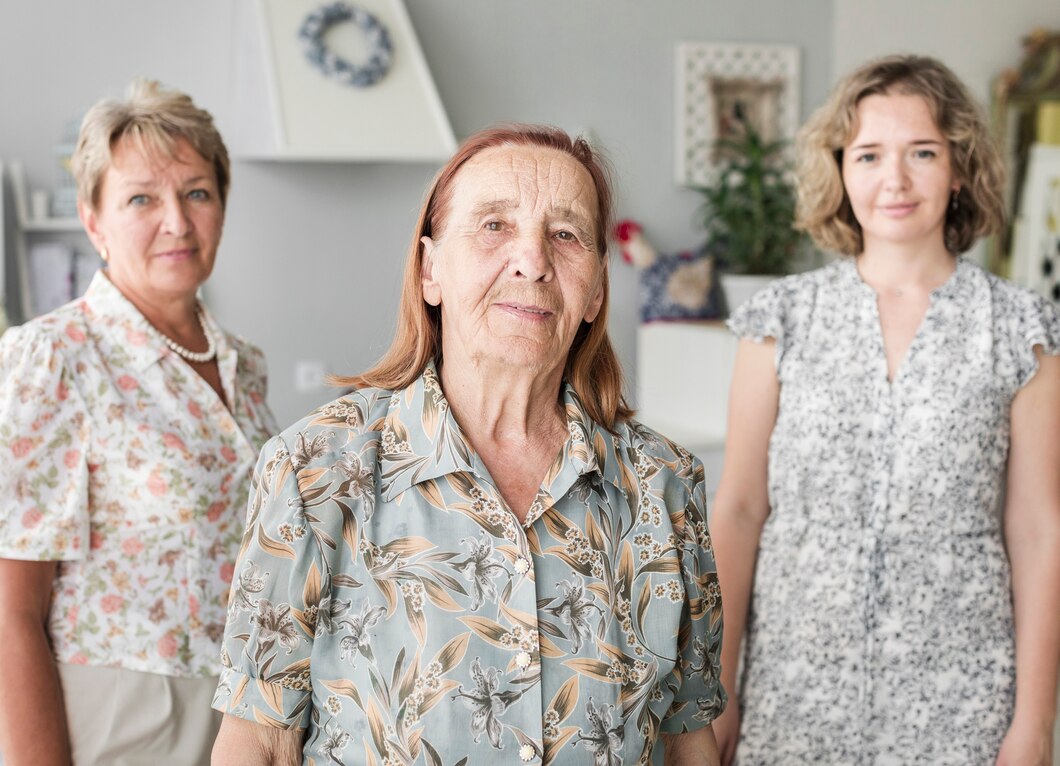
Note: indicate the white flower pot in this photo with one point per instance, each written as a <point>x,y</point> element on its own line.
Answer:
<point>739,288</point>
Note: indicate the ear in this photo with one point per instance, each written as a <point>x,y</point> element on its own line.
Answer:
<point>432,291</point>
<point>91,223</point>
<point>592,309</point>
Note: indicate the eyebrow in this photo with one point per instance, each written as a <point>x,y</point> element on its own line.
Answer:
<point>144,183</point>
<point>918,142</point>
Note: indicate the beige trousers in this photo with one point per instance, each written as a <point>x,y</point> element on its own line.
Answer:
<point>119,717</point>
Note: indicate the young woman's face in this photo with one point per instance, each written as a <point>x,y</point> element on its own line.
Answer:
<point>897,172</point>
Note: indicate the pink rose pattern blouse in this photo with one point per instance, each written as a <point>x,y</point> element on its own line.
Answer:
<point>389,602</point>
<point>123,464</point>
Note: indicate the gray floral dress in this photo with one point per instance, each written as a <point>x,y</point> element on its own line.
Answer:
<point>881,628</point>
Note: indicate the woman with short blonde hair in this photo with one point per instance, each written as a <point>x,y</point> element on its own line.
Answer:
<point>129,422</point>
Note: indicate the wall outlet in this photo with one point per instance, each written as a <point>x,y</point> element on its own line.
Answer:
<point>309,376</point>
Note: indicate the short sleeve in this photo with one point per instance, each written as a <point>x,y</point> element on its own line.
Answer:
<point>272,607</point>
<point>700,697</point>
<point>1037,323</point>
<point>44,443</point>
<point>761,317</point>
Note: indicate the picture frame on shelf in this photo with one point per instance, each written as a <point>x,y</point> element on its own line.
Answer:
<point>718,85</point>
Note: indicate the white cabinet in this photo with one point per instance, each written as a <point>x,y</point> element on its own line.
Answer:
<point>683,374</point>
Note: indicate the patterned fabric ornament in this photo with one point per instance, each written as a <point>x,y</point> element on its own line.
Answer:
<point>380,50</point>
<point>674,287</point>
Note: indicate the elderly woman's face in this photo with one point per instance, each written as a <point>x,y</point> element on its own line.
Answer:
<point>160,221</point>
<point>516,268</point>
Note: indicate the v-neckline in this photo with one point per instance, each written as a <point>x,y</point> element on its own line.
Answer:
<point>904,362</point>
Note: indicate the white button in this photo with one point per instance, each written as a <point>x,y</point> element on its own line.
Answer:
<point>522,659</point>
<point>527,753</point>
<point>522,566</point>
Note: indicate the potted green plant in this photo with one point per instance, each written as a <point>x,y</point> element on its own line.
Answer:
<point>748,213</point>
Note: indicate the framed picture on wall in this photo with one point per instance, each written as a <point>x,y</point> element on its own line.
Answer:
<point>719,85</point>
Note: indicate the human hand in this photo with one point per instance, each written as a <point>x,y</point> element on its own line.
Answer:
<point>1025,744</point>
<point>727,730</point>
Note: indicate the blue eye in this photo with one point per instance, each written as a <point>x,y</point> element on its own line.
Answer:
<point>925,154</point>
<point>138,199</point>
<point>199,194</point>
<point>867,157</point>
<point>493,226</point>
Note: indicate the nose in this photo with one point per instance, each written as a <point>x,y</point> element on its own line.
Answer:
<point>532,258</point>
<point>175,219</point>
<point>896,174</point>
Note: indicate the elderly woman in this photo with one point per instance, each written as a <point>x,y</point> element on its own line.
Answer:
<point>477,556</point>
<point>129,424</point>
<point>878,405</point>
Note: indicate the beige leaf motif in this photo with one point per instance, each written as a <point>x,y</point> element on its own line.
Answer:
<point>273,695</point>
<point>345,688</point>
<point>274,547</point>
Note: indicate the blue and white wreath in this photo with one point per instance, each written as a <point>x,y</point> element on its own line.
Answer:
<point>380,50</point>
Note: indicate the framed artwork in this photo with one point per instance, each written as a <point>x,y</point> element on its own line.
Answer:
<point>720,84</point>
<point>330,81</point>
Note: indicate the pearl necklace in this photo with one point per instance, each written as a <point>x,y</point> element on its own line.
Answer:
<point>196,357</point>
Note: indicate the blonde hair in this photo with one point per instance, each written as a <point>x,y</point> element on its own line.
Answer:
<point>592,366</point>
<point>823,209</point>
<point>154,119</point>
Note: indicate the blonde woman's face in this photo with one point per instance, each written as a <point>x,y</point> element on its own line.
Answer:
<point>159,221</point>
<point>898,173</point>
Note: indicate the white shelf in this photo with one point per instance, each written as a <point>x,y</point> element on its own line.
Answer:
<point>28,229</point>
<point>20,191</point>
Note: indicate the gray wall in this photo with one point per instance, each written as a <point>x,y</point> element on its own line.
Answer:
<point>310,261</point>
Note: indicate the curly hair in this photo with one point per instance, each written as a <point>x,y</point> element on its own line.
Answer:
<point>592,366</point>
<point>823,209</point>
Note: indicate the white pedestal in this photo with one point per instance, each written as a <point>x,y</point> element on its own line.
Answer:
<point>683,374</point>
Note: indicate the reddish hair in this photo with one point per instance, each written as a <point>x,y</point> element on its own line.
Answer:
<point>592,366</point>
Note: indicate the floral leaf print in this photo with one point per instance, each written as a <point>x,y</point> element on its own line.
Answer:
<point>450,655</point>
<point>345,688</point>
<point>486,629</point>
<point>311,588</point>
<point>335,741</point>
<point>309,449</point>
<point>486,703</point>
<point>331,614</point>
<point>274,625</point>
<point>273,696</point>
<point>480,569</point>
<point>359,641</point>
<point>604,740</point>
<point>440,597</point>
<point>601,671</point>
<point>359,483</point>
<point>574,607</point>
<point>274,547</point>
<point>378,728</point>
<point>430,491</point>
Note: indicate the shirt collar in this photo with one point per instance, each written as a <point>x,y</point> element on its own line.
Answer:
<point>114,316</point>
<point>422,441</point>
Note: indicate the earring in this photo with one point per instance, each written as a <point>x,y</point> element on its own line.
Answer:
<point>954,195</point>
<point>104,255</point>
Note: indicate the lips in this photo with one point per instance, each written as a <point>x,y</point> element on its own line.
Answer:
<point>528,311</point>
<point>180,254</point>
<point>899,209</point>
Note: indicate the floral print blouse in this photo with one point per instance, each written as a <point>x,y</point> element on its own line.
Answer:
<point>881,626</point>
<point>389,602</point>
<point>121,463</point>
